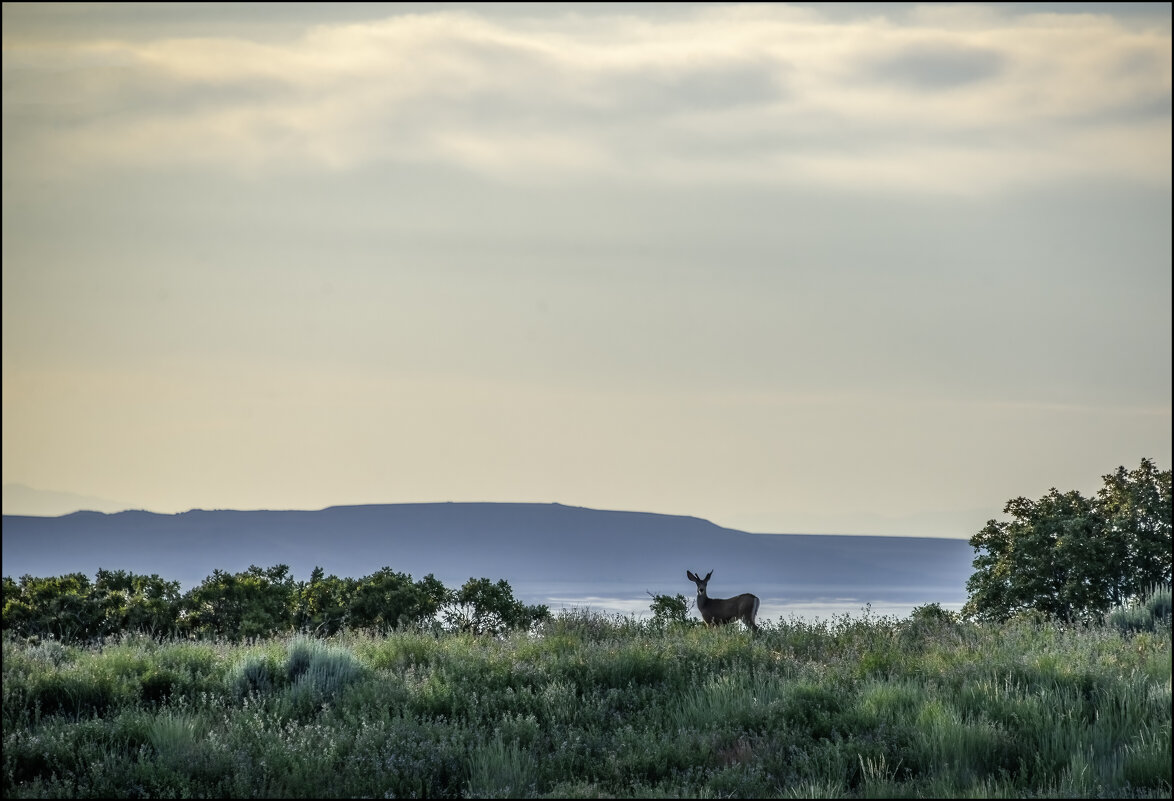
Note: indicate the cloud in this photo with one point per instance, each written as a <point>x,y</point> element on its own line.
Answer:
<point>938,67</point>
<point>939,102</point>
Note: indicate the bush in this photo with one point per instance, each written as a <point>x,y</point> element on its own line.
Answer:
<point>1148,613</point>
<point>668,609</point>
<point>482,607</point>
<point>317,672</point>
<point>254,673</point>
<point>932,615</point>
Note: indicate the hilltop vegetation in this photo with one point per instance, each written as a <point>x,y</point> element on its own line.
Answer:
<point>590,706</point>
<point>257,602</point>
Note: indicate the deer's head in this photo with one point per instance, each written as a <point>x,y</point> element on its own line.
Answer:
<point>700,582</point>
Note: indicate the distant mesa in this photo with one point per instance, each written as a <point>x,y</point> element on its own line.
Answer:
<point>536,547</point>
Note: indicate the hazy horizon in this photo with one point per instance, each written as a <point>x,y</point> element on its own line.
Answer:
<point>857,268</point>
<point>32,502</point>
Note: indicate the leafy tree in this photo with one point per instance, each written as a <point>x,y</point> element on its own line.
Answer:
<point>1136,509</point>
<point>433,596</point>
<point>1072,557</point>
<point>482,607</point>
<point>18,613</point>
<point>322,604</point>
<point>254,603</point>
<point>54,606</point>
<point>387,599</point>
<point>132,602</point>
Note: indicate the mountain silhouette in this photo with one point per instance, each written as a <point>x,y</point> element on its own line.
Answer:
<point>536,547</point>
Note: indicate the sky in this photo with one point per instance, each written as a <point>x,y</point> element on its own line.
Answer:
<point>862,268</point>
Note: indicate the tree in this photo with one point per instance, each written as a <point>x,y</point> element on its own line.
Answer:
<point>133,602</point>
<point>322,604</point>
<point>482,607</point>
<point>56,606</point>
<point>387,599</point>
<point>254,603</point>
<point>1136,510</point>
<point>1072,557</point>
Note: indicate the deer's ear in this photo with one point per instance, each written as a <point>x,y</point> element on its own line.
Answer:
<point>690,576</point>
<point>707,575</point>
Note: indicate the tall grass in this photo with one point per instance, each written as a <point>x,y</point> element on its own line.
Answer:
<point>1150,613</point>
<point>594,706</point>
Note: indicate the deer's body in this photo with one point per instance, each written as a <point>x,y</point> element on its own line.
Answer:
<point>718,611</point>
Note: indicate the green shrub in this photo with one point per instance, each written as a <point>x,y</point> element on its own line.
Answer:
<point>252,673</point>
<point>159,684</point>
<point>316,673</point>
<point>51,652</point>
<point>1149,613</point>
<point>670,609</point>
<point>71,692</point>
<point>300,653</point>
<point>176,737</point>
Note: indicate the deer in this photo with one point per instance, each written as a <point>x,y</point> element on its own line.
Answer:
<point>718,611</point>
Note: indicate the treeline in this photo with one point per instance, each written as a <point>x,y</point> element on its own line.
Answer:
<point>257,602</point>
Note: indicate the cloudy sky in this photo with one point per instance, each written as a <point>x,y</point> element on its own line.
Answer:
<point>862,268</point>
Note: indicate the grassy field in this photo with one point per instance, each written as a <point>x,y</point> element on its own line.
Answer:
<point>593,706</point>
